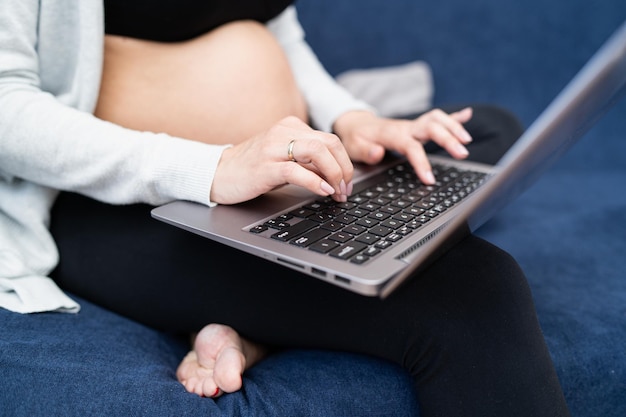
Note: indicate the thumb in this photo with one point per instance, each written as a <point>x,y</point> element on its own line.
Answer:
<point>365,151</point>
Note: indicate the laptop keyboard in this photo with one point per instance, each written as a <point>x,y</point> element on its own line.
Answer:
<point>375,218</point>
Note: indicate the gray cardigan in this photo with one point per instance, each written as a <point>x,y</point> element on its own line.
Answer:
<point>50,68</point>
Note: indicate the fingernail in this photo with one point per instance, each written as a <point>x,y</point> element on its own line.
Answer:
<point>462,149</point>
<point>327,188</point>
<point>342,187</point>
<point>463,135</point>
<point>430,178</point>
<point>350,188</point>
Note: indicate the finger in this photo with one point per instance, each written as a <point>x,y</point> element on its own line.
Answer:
<point>397,136</point>
<point>463,115</point>
<point>297,174</point>
<point>453,123</point>
<point>419,161</point>
<point>442,136</point>
<point>363,150</point>
<point>444,130</point>
<point>324,155</point>
<point>314,144</point>
<point>340,154</point>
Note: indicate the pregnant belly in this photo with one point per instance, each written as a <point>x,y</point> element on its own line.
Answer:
<point>222,87</point>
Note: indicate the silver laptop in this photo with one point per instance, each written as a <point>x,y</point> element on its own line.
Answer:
<point>393,226</point>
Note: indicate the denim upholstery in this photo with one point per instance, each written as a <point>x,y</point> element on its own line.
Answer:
<point>568,232</point>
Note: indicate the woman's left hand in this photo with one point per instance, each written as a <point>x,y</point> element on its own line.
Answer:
<point>367,136</point>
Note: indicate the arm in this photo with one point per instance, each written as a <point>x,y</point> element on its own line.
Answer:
<point>364,134</point>
<point>50,63</point>
<point>49,80</point>
<point>49,83</point>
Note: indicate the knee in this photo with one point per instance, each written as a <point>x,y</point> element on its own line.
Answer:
<point>493,275</point>
<point>476,297</point>
<point>495,130</point>
<point>501,122</point>
<point>474,285</point>
<point>507,119</point>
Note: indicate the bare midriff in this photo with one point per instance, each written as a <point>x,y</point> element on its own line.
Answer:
<point>222,87</point>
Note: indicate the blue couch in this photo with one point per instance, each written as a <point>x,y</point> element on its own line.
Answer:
<point>568,232</point>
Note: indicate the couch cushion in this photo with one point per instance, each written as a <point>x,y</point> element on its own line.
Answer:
<point>98,363</point>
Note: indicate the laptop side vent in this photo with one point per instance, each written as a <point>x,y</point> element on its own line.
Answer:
<point>421,242</point>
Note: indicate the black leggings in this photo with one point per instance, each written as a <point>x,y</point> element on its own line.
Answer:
<point>466,328</point>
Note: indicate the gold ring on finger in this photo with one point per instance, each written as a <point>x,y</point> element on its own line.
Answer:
<point>290,151</point>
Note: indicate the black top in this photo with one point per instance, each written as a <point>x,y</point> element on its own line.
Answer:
<point>179,20</point>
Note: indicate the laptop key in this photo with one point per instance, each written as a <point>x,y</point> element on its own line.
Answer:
<point>367,238</point>
<point>294,230</point>
<point>323,246</point>
<point>348,250</point>
<point>309,237</point>
<point>341,237</point>
<point>373,220</point>
<point>359,259</point>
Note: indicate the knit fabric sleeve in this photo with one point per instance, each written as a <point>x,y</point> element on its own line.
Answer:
<point>49,80</point>
<point>50,67</point>
<point>326,99</point>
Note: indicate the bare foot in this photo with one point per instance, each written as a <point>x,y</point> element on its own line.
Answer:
<point>217,361</point>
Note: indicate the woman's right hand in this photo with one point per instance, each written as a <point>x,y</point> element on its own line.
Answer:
<point>318,162</point>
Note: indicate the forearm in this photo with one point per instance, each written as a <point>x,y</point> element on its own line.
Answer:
<point>59,147</point>
<point>49,137</point>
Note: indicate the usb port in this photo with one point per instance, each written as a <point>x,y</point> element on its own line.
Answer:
<point>318,272</point>
<point>342,280</point>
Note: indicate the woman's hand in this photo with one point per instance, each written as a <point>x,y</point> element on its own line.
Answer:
<point>290,152</point>
<point>366,136</point>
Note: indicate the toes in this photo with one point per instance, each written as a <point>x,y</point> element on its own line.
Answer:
<point>216,364</point>
<point>202,387</point>
<point>196,378</point>
<point>209,389</point>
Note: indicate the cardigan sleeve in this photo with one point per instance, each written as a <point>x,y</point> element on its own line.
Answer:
<point>326,99</point>
<point>50,65</point>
